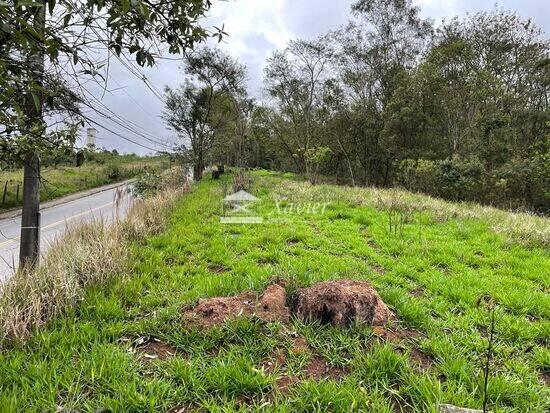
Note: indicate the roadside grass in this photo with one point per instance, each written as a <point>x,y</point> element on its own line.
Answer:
<point>437,269</point>
<point>65,180</point>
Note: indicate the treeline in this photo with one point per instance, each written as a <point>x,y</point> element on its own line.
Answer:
<point>459,111</point>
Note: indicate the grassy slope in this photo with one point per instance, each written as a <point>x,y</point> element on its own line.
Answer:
<point>65,180</point>
<point>432,275</point>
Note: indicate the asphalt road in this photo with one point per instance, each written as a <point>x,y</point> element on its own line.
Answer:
<point>55,220</point>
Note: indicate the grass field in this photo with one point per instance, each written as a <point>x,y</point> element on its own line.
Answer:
<point>65,180</point>
<point>440,267</point>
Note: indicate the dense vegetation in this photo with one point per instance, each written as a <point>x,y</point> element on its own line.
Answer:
<point>61,177</point>
<point>459,111</point>
<point>126,348</point>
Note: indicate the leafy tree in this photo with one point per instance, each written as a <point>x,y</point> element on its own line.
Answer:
<point>49,49</point>
<point>295,79</point>
<point>211,78</point>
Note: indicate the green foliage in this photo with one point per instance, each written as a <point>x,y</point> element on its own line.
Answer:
<point>440,110</point>
<point>39,37</point>
<point>432,278</point>
<point>146,184</point>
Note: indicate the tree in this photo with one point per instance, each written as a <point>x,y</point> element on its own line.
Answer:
<point>295,78</point>
<point>47,51</point>
<point>212,78</point>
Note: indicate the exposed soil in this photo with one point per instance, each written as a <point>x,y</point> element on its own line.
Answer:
<point>378,269</point>
<point>271,306</point>
<point>421,359</point>
<point>156,350</point>
<point>319,369</point>
<point>417,293</point>
<point>545,377</point>
<point>341,303</point>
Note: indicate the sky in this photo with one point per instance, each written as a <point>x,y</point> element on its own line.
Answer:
<point>256,28</point>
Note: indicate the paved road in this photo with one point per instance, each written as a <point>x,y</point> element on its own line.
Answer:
<point>54,222</point>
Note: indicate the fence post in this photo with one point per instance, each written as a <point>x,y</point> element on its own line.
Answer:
<point>17,194</point>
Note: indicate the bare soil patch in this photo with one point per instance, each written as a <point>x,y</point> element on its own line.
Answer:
<point>156,350</point>
<point>421,359</point>
<point>319,369</point>
<point>217,269</point>
<point>271,306</point>
<point>340,302</point>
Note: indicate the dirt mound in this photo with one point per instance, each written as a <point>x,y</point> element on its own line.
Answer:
<point>341,302</point>
<point>271,306</point>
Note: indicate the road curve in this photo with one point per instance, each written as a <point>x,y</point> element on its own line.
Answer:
<point>55,220</point>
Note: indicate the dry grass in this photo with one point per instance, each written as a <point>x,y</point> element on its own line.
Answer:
<point>518,227</point>
<point>86,254</point>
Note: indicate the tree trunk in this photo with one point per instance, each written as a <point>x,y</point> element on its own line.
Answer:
<point>199,167</point>
<point>29,250</point>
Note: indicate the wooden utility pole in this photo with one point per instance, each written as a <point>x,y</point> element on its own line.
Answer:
<point>29,251</point>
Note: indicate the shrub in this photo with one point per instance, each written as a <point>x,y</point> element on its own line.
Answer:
<point>113,172</point>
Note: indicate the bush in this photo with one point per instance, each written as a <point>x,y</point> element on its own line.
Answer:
<point>453,178</point>
<point>145,185</point>
<point>113,172</point>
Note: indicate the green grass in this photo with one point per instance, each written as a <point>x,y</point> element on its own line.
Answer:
<point>435,272</point>
<point>65,180</point>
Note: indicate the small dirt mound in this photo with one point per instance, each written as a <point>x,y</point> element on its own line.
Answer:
<point>271,306</point>
<point>341,302</point>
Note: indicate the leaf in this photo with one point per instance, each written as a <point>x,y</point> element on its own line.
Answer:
<point>51,6</point>
<point>36,100</point>
<point>67,19</point>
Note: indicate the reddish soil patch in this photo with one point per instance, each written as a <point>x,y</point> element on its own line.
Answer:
<point>271,306</point>
<point>421,359</point>
<point>378,269</point>
<point>341,302</point>
<point>319,369</point>
<point>156,350</point>
<point>299,345</point>
<point>277,361</point>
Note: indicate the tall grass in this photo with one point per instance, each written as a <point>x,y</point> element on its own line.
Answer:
<point>86,254</point>
<point>524,228</point>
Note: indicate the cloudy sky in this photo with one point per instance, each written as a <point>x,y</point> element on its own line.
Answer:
<point>256,28</point>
